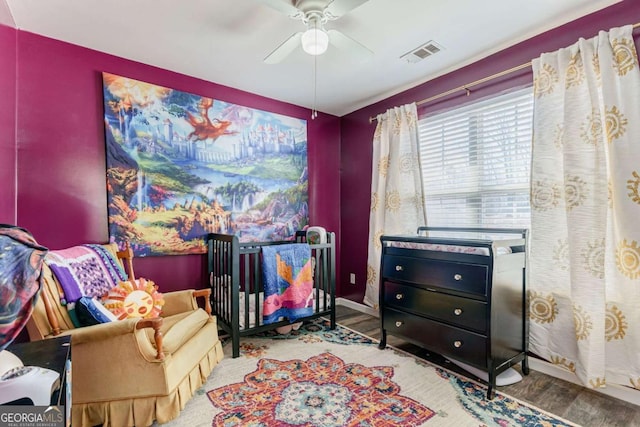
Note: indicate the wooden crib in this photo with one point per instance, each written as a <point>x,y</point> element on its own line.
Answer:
<point>235,277</point>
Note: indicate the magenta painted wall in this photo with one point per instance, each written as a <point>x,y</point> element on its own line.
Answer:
<point>61,194</point>
<point>7,125</point>
<point>357,133</point>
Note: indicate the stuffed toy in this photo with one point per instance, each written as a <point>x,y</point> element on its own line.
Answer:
<point>139,298</point>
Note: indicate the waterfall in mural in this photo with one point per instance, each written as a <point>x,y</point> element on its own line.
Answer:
<point>140,195</point>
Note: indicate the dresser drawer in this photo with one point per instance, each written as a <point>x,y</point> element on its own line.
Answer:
<point>470,278</point>
<point>459,311</point>
<point>443,339</point>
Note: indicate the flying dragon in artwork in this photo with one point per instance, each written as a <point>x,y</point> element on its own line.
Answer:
<point>204,128</point>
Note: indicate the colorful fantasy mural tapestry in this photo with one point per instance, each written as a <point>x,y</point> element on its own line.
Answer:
<point>181,165</point>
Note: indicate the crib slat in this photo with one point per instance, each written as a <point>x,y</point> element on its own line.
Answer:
<point>246,287</point>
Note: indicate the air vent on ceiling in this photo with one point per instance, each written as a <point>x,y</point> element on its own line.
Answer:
<point>422,52</point>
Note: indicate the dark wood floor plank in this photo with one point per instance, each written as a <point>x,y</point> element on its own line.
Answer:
<point>590,409</point>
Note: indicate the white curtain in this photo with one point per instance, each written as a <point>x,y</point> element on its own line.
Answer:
<point>584,287</point>
<point>397,205</point>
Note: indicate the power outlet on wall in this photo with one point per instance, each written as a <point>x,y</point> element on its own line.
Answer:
<point>352,278</point>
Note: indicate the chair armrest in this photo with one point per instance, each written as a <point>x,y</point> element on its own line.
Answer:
<point>206,294</point>
<point>181,301</point>
<point>154,323</point>
<point>106,331</point>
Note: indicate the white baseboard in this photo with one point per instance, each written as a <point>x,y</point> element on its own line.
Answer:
<point>357,306</point>
<point>627,394</point>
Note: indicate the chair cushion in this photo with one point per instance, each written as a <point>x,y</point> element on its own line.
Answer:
<point>182,330</point>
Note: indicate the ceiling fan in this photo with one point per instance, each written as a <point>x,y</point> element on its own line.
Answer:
<point>315,40</point>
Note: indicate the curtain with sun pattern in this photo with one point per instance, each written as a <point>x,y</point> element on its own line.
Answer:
<point>397,205</point>
<point>584,287</point>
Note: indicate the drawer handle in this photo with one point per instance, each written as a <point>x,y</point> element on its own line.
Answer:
<point>399,268</point>
<point>457,277</point>
<point>457,344</point>
<point>457,311</point>
<point>399,323</point>
<point>399,296</point>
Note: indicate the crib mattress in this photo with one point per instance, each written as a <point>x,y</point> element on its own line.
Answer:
<point>252,307</point>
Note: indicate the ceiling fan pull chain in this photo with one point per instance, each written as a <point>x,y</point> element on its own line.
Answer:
<point>314,112</point>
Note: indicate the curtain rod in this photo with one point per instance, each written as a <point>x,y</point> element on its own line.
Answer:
<point>477,82</point>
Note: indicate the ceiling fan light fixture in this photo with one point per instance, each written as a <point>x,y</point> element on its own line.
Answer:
<point>315,41</point>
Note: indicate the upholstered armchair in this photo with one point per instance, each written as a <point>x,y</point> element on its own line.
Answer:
<point>137,370</point>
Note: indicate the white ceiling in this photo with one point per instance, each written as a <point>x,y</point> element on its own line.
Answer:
<point>225,41</point>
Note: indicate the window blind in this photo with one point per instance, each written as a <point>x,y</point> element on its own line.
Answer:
<point>476,163</point>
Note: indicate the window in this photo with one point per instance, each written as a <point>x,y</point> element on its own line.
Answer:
<point>476,163</point>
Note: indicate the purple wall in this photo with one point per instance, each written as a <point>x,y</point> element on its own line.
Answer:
<point>7,125</point>
<point>61,149</point>
<point>357,133</point>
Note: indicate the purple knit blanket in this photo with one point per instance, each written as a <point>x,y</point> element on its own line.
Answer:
<point>86,270</point>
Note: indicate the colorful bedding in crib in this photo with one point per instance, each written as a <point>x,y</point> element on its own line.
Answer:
<point>322,301</point>
<point>288,282</point>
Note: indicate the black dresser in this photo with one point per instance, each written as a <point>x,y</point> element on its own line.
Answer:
<point>459,292</point>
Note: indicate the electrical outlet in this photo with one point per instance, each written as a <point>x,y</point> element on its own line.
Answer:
<point>352,278</point>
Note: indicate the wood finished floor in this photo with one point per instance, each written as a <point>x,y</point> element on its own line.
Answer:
<point>569,401</point>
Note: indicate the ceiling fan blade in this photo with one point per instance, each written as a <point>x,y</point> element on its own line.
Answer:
<point>284,50</point>
<point>337,8</point>
<point>282,6</point>
<point>349,45</point>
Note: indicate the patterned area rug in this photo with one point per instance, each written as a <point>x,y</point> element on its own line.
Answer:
<point>319,377</point>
